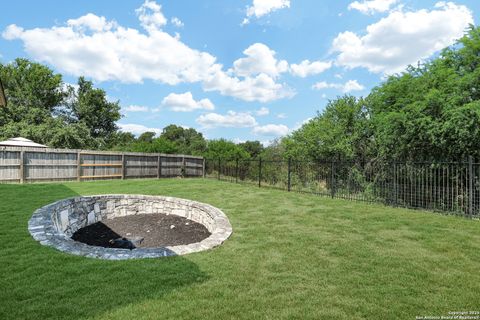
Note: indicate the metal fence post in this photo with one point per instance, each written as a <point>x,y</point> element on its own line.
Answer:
<point>332,187</point>
<point>219,166</point>
<point>470,186</point>
<point>236,170</point>
<point>289,182</point>
<point>260,172</point>
<point>395,196</point>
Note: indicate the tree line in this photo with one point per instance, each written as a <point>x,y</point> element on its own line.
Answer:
<point>429,112</point>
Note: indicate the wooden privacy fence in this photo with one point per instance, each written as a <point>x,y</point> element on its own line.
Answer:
<point>39,164</point>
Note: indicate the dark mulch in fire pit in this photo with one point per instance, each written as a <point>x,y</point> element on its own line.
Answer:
<point>157,230</point>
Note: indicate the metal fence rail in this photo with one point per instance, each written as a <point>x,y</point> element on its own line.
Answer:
<point>452,187</point>
<point>37,164</point>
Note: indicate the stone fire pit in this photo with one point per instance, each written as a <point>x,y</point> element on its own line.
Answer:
<point>55,224</point>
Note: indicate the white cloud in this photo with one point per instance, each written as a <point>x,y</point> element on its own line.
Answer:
<point>98,49</point>
<point>261,88</point>
<point>307,68</point>
<point>151,16</point>
<point>372,6</point>
<point>252,78</point>
<point>403,38</point>
<point>231,120</point>
<point>349,86</point>
<point>184,102</point>
<point>282,116</point>
<point>135,108</point>
<point>259,59</point>
<point>352,85</point>
<point>94,47</point>
<point>263,111</point>
<point>137,129</point>
<point>260,8</point>
<point>271,130</point>
<point>176,22</point>
<point>92,22</point>
<point>12,32</point>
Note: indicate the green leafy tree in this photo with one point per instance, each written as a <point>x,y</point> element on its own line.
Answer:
<point>33,91</point>
<point>91,107</point>
<point>340,131</point>
<point>224,149</point>
<point>146,137</point>
<point>253,148</point>
<point>157,145</point>
<point>432,111</point>
<point>43,109</point>
<point>186,140</point>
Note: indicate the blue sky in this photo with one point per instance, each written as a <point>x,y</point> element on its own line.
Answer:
<point>242,70</point>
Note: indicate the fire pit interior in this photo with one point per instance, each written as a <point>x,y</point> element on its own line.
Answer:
<point>129,226</point>
<point>142,231</point>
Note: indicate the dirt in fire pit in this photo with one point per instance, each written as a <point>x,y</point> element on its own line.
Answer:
<point>157,230</point>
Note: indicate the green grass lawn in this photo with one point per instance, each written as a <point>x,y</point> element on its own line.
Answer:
<point>290,256</point>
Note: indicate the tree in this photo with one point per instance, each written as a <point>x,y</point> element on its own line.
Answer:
<point>340,131</point>
<point>42,108</point>
<point>146,136</point>
<point>186,140</point>
<point>432,111</point>
<point>121,140</point>
<point>157,145</point>
<point>91,107</point>
<point>224,149</point>
<point>33,91</point>
<point>253,148</point>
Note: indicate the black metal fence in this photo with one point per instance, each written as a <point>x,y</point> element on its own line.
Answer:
<point>452,187</point>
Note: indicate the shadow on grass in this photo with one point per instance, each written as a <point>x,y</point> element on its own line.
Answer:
<point>42,283</point>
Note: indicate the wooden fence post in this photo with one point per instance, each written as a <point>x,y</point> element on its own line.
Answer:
<point>184,173</point>
<point>260,172</point>
<point>79,166</point>
<point>159,167</point>
<point>21,169</point>
<point>219,165</point>
<point>124,169</point>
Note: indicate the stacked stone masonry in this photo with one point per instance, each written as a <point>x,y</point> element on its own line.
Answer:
<point>54,224</point>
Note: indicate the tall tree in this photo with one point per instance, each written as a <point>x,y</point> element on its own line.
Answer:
<point>187,140</point>
<point>340,131</point>
<point>33,92</point>
<point>253,148</point>
<point>432,111</point>
<point>91,107</point>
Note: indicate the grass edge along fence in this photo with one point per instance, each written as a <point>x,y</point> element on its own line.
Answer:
<point>449,187</point>
<point>44,164</point>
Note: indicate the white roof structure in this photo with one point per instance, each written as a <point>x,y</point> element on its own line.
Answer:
<point>21,142</point>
